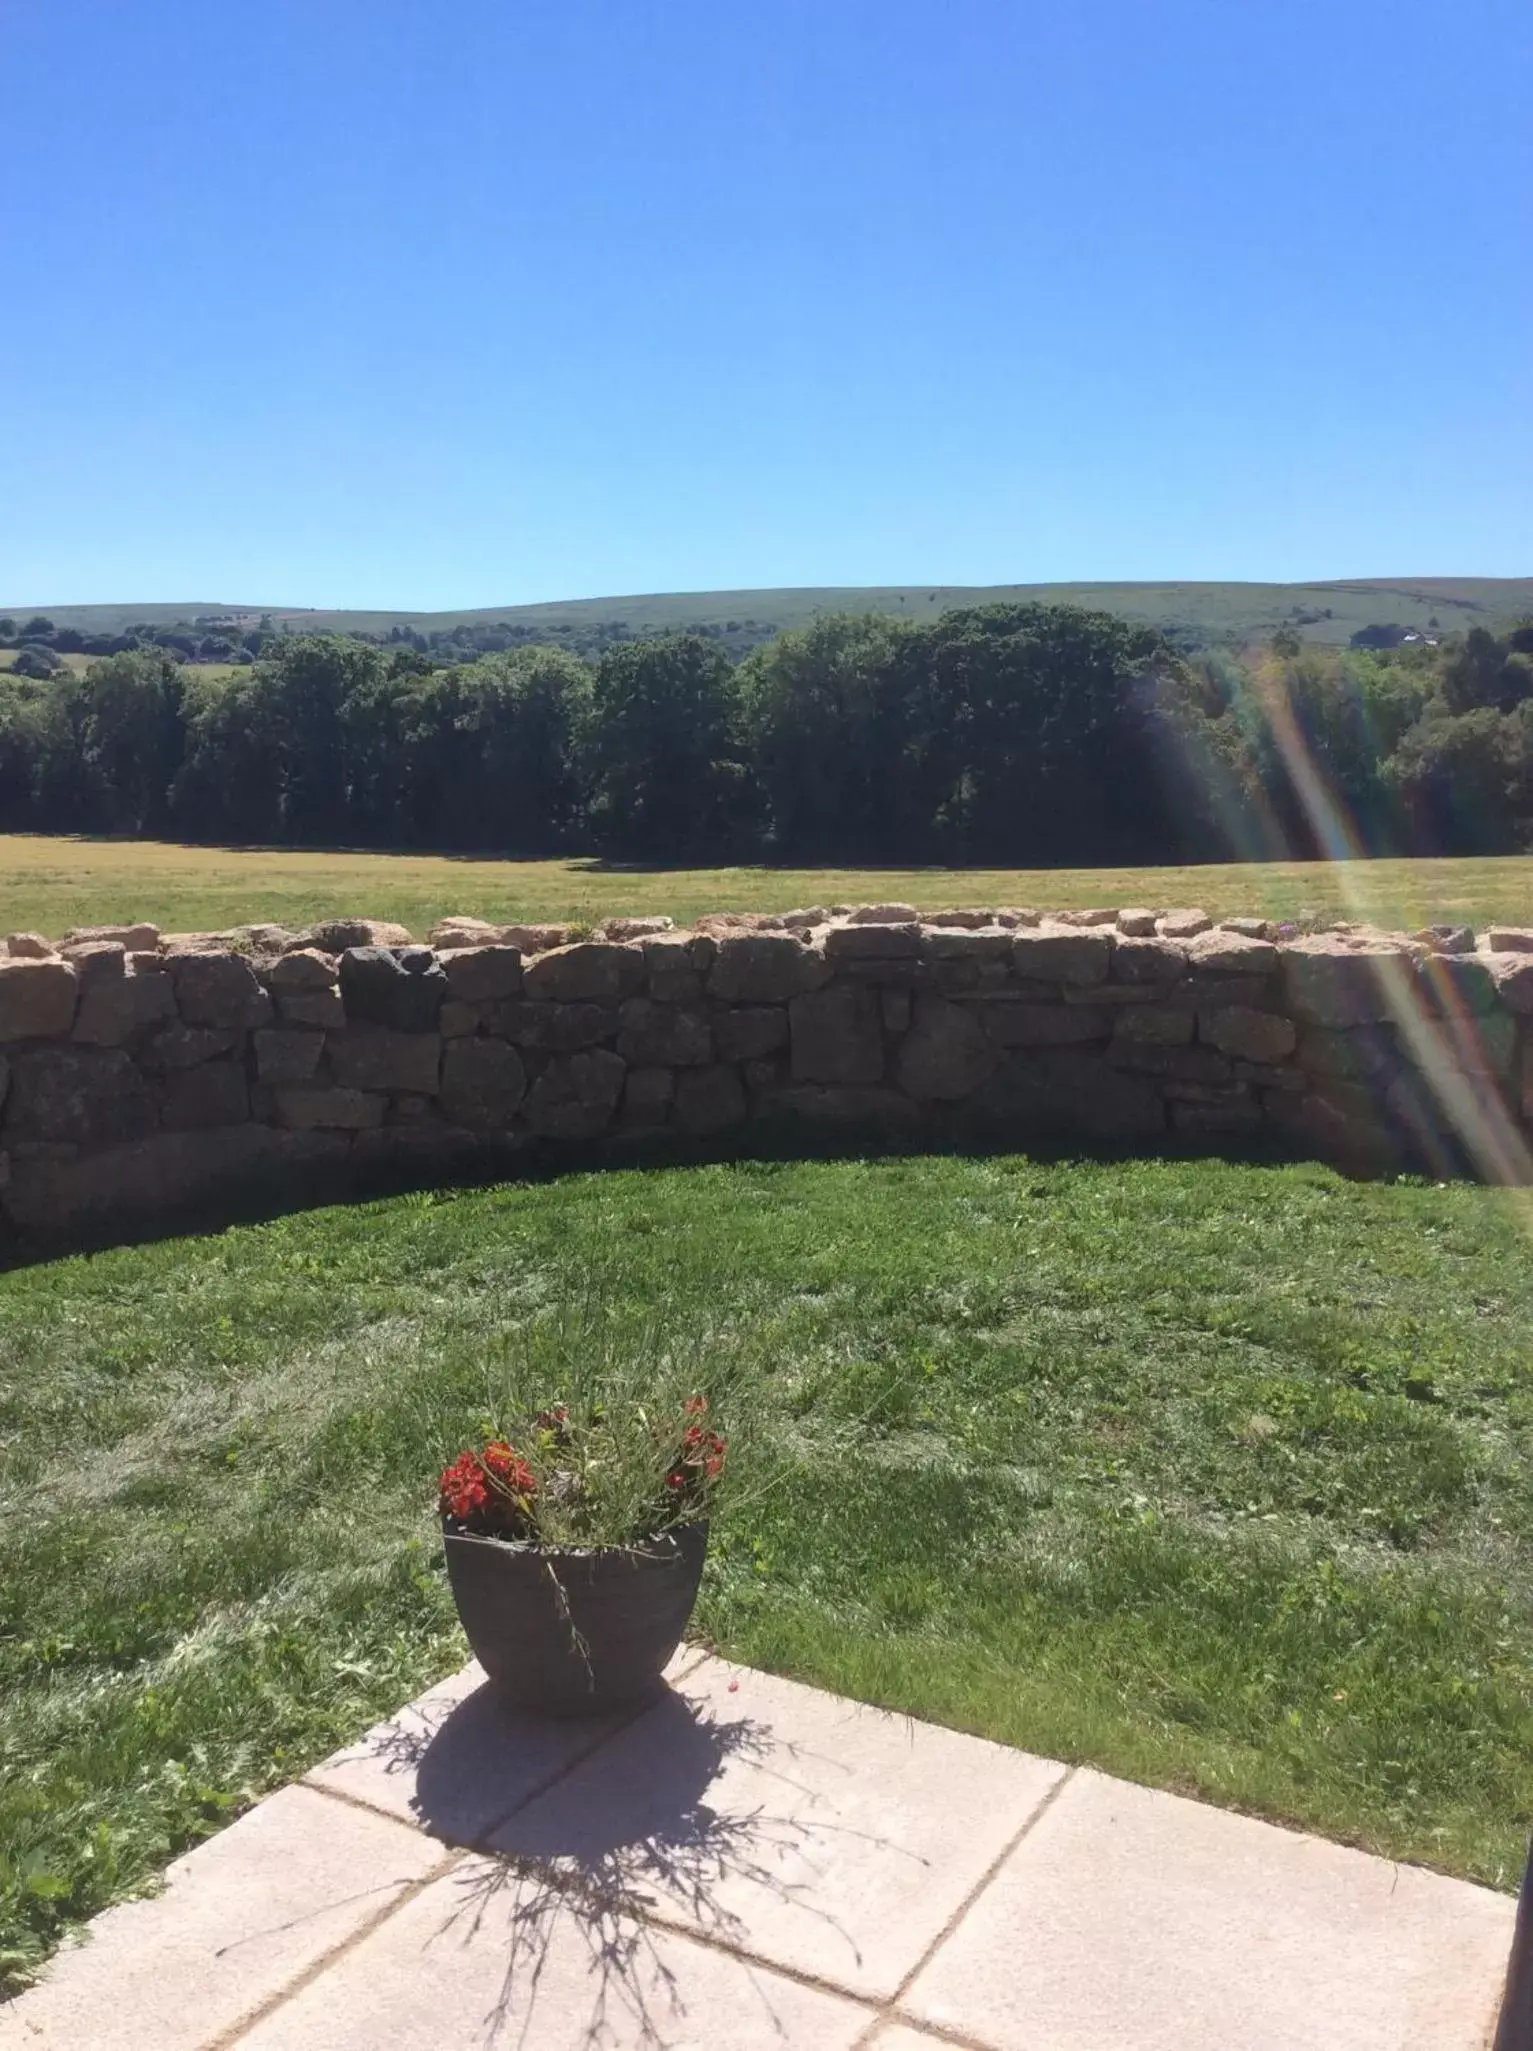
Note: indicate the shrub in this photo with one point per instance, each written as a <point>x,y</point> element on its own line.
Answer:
<point>36,662</point>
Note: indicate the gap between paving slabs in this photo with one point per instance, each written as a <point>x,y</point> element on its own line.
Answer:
<point>953,1890</point>
<point>442,1765</point>
<point>265,1906</point>
<point>836,1846</point>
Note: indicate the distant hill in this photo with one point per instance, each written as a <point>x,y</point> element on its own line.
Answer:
<point>1208,612</point>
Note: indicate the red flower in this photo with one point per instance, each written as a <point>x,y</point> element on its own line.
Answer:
<point>490,1491</point>
<point>464,1491</point>
<point>508,1470</point>
<point>696,1406</point>
<point>699,1459</point>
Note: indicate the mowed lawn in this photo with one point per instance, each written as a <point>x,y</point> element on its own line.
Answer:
<point>49,884</point>
<point>1216,1476</point>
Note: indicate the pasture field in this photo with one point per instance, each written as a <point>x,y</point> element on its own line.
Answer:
<point>1217,1476</point>
<point>1326,611</point>
<point>49,884</point>
<point>79,664</point>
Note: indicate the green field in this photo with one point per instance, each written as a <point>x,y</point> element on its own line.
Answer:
<point>49,884</point>
<point>1219,1477</point>
<point>1241,612</point>
<point>78,663</point>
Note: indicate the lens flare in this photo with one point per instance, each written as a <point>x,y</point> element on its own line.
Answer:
<point>1457,1098</point>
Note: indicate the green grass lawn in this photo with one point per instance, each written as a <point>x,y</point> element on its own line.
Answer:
<point>49,884</point>
<point>1215,1476</point>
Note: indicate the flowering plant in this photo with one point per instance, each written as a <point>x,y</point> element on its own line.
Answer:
<point>587,1477</point>
<point>491,1492</point>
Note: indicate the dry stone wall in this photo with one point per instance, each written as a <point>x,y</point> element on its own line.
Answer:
<point>145,1077</point>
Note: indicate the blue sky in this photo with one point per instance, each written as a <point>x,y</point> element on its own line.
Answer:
<point>392,303</point>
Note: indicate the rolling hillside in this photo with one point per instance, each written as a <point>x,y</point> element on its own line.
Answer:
<point>1240,612</point>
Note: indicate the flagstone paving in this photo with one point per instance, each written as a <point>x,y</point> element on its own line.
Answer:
<point>747,1864</point>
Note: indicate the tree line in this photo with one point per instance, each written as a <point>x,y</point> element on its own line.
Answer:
<point>41,644</point>
<point>1023,735</point>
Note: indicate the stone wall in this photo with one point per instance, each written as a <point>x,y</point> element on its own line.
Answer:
<point>148,1077</point>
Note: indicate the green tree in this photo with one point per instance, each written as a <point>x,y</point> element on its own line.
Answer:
<point>521,716</point>
<point>304,682</point>
<point>480,755</point>
<point>666,767</point>
<point>266,753</point>
<point>826,721</point>
<point>1034,728</point>
<point>231,782</point>
<point>36,662</point>
<point>25,737</point>
<point>996,733</point>
<point>1327,718</point>
<point>390,726</point>
<point>1485,671</point>
<point>130,723</point>
<point>1465,781</point>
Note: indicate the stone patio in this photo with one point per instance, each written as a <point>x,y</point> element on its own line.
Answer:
<point>748,1863</point>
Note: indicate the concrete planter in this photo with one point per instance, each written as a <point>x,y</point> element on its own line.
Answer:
<point>574,1633</point>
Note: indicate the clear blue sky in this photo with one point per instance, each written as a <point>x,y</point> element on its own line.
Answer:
<point>439,303</point>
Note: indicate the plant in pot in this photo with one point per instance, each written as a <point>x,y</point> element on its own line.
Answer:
<point>575,1550</point>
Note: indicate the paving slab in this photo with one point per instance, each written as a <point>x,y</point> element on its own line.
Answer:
<point>815,1833</point>
<point>1137,1920</point>
<point>240,1919</point>
<point>488,1960</point>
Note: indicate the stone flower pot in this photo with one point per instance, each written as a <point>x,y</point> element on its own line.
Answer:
<point>567,1632</point>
